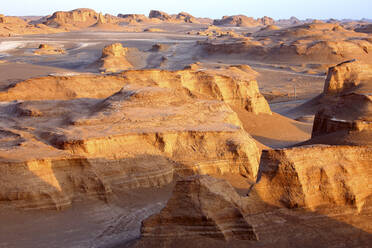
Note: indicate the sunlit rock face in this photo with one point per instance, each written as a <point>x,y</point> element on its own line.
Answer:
<point>347,112</point>
<point>316,176</point>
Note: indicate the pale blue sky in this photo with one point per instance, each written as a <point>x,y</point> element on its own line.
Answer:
<point>302,9</point>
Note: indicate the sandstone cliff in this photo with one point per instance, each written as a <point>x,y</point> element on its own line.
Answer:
<point>316,176</point>
<point>346,112</point>
<point>201,206</point>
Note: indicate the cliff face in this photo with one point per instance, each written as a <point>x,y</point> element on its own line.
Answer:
<point>316,176</point>
<point>201,206</point>
<point>346,76</point>
<point>347,108</point>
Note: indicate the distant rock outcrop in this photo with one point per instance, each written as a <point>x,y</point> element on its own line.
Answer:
<point>45,49</point>
<point>323,43</point>
<point>113,58</point>
<point>201,206</point>
<point>364,29</point>
<point>133,18</point>
<point>180,17</point>
<point>243,21</point>
<point>10,26</point>
<point>159,15</point>
<point>78,19</point>
<point>186,17</point>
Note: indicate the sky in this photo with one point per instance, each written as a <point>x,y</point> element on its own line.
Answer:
<point>277,9</point>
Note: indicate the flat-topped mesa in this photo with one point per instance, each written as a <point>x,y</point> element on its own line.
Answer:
<point>75,19</point>
<point>316,177</point>
<point>234,85</point>
<point>113,58</point>
<point>200,206</point>
<point>346,114</point>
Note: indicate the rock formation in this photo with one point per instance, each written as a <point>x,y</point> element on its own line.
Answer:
<point>129,130</point>
<point>10,26</point>
<point>113,58</point>
<point>201,206</point>
<point>79,18</point>
<point>364,29</point>
<point>180,17</point>
<point>346,76</point>
<point>316,176</point>
<point>45,49</point>
<point>186,17</point>
<point>133,18</point>
<point>243,21</point>
<point>346,112</point>
<point>159,15</point>
<point>235,86</point>
<point>321,43</point>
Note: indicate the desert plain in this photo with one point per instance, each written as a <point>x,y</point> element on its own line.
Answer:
<point>169,130</point>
